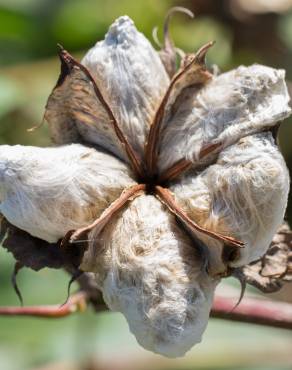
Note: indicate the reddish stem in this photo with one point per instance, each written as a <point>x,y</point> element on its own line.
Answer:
<point>251,310</point>
<point>76,303</point>
<point>254,311</point>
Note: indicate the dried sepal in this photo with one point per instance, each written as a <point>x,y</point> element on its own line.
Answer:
<point>167,198</point>
<point>76,106</point>
<point>31,252</point>
<point>99,224</point>
<point>17,267</point>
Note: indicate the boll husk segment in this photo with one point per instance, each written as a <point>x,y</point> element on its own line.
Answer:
<point>231,106</point>
<point>148,269</point>
<point>243,193</point>
<point>134,91</point>
<point>210,161</point>
<point>49,191</point>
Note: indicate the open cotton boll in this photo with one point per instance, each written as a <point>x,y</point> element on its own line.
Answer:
<point>131,77</point>
<point>233,105</point>
<point>243,195</point>
<point>149,270</point>
<point>49,191</point>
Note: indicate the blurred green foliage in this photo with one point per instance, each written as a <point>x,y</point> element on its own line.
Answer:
<point>29,32</point>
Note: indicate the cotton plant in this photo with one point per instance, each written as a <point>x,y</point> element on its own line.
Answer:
<point>172,177</point>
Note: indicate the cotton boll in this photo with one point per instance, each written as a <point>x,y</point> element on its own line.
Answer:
<point>149,269</point>
<point>235,104</point>
<point>131,77</point>
<point>49,191</point>
<point>243,195</point>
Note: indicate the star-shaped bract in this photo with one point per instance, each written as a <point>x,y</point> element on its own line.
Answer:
<point>172,179</point>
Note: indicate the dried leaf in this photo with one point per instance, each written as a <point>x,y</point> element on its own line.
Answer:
<point>275,267</point>
<point>36,253</point>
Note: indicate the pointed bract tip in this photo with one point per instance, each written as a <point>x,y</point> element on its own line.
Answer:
<point>202,52</point>
<point>64,54</point>
<point>60,47</point>
<point>238,274</point>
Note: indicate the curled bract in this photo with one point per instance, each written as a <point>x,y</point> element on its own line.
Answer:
<point>174,178</point>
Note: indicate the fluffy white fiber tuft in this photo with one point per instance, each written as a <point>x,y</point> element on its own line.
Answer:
<point>233,105</point>
<point>49,191</point>
<point>131,77</point>
<point>149,270</point>
<point>244,194</point>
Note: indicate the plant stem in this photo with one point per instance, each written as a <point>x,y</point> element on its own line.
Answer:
<point>254,311</point>
<point>251,310</point>
<point>76,303</point>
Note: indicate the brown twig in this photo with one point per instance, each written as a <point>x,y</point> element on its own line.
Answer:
<point>76,303</point>
<point>251,310</point>
<point>254,311</point>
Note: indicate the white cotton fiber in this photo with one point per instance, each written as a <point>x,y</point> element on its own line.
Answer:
<point>49,191</point>
<point>149,269</point>
<point>131,77</point>
<point>243,195</point>
<point>235,104</point>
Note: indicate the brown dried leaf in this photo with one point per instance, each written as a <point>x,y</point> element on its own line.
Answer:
<point>36,253</point>
<point>275,267</point>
